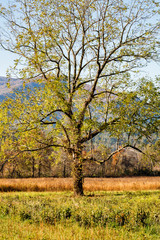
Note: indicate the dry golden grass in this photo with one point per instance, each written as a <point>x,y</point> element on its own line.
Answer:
<point>122,184</point>
<point>90,184</point>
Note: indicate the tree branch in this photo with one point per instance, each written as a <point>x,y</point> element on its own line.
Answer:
<point>96,132</point>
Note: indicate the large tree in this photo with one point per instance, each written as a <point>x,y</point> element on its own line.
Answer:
<point>81,52</point>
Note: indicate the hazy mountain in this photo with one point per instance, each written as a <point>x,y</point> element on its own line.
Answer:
<point>15,84</point>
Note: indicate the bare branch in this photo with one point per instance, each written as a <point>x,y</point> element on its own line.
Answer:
<point>113,153</point>
<point>102,128</point>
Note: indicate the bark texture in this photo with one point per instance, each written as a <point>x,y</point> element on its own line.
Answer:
<point>78,178</point>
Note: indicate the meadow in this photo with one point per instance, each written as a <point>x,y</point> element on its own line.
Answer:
<point>58,215</point>
<point>90,184</point>
<point>113,208</point>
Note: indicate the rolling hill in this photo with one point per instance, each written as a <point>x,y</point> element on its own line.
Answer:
<point>15,84</point>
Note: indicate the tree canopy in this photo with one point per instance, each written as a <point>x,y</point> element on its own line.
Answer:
<point>81,53</point>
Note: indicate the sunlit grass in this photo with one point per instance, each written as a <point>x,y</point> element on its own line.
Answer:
<point>16,230</point>
<point>60,216</point>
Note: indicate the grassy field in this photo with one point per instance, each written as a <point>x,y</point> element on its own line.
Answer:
<point>58,215</point>
<point>90,184</point>
<point>113,208</point>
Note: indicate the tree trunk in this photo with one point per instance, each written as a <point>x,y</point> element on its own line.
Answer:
<point>64,169</point>
<point>33,167</point>
<point>77,172</point>
<point>77,178</point>
<point>39,169</point>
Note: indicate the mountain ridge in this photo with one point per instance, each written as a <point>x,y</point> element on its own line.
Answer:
<point>14,84</point>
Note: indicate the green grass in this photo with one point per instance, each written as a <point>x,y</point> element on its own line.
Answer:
<point>104,215</point>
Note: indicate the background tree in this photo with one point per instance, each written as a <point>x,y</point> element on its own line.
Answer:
<point>18,161</point>
<point>82,53</point>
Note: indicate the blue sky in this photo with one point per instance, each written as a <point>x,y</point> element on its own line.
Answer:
<point>7,59</point>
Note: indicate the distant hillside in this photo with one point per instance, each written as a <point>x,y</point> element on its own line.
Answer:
<point>15,84</point>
